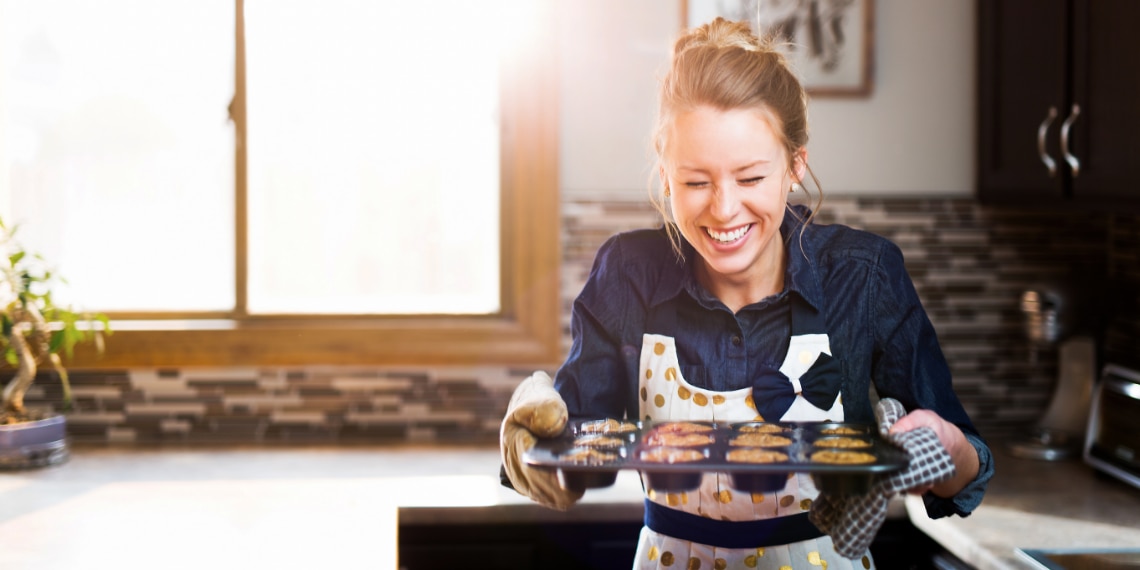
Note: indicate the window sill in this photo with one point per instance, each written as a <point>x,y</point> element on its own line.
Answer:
<point>381,341</point>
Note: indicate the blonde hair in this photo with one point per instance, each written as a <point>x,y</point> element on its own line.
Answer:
<point>724,65</point>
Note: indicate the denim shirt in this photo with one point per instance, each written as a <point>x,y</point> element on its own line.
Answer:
<point>857,282</point>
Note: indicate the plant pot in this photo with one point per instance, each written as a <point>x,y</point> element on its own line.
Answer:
<point>35,443</point>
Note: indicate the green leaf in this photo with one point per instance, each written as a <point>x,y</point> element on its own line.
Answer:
<point>56,341</point>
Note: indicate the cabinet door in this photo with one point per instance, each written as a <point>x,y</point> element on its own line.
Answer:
<point>1105,136</point>
<point>1022,77</point>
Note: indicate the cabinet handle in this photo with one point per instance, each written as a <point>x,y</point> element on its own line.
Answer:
<point>1041,132</point>
<point>1074,164</point>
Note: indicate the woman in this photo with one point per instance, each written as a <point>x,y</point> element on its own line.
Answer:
<point>738,309</point>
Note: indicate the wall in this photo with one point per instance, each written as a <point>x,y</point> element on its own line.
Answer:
<point>913,135</point>
<point>1122,327</point>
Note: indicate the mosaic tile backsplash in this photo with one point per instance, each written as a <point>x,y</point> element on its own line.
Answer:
<point>970,264</point>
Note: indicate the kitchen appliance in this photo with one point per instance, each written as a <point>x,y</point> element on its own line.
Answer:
<point>1112,441</point>
<point>1059,434</point>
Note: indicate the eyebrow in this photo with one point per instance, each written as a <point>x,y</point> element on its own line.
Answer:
<point>752,164</point>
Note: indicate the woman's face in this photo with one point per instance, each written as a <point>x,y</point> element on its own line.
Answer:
<point>728,180</point>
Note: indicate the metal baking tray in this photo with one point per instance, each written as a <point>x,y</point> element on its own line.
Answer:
<point>674,455</point>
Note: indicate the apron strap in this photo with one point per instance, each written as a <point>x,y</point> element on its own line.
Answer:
<point>729,534</point>
<point>661,320</point>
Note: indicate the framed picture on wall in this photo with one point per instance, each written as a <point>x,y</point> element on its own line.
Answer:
<point>830,42</point>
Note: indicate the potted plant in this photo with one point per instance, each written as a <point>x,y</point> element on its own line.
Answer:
<point>35,330</point>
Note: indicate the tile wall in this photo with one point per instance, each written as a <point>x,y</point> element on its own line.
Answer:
<point>1122,325</point>
<point>970,265</point>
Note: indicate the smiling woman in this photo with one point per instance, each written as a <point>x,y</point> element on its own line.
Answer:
<point>387,193</point>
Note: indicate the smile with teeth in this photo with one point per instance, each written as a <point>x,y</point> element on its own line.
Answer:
<point>730,236</point>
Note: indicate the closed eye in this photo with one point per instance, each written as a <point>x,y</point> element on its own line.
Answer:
<point>696,184</point>
<point>751,181</point>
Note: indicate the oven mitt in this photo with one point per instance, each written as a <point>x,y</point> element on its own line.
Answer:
<point>535,410</point>
<point>853,520</point>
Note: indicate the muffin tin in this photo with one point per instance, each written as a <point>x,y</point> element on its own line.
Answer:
<point>674,455</point>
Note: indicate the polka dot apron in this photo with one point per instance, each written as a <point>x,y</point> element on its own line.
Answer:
<point>665,395</point>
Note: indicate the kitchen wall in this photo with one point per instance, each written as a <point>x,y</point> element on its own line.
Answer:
<point>899,163</point>
<point>913,135</point>
<point>1122,306</point>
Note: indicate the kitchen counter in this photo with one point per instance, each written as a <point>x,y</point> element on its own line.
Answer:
<point>227,508</point>
<point>327,507</point>
<point>1033,504</point>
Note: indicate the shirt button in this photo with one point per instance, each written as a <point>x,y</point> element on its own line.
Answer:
<point>736,340</point>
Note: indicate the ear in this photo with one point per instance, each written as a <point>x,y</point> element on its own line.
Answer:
<point>799,164</point>
<point>664,180</point>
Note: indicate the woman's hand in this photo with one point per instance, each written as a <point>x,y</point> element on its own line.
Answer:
<point>535,410</point>
<point>963,454</point>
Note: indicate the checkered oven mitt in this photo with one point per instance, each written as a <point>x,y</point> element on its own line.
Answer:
<point>853,520</point>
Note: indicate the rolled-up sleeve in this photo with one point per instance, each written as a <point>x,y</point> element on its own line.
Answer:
<point>592,380</point>
<point>910,367</point>
<point>969,497</point>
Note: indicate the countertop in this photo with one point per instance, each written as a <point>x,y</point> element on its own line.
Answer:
<point>279,508</point>
<point>1034,504</point>
<point>323,507</point>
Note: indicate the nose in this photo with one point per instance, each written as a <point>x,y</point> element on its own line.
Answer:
<point>725,201</point>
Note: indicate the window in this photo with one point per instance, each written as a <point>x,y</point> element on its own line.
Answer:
<point>373,158</point>
<point>209,239</point>
<point>118,149</point>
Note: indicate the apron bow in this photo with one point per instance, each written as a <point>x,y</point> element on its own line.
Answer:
<point>773,392</point>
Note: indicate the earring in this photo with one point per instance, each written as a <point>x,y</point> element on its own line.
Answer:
<point>667,194</point>
<point>796,186</point>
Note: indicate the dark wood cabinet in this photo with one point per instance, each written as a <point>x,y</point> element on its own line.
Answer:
<point>519,546</point>
<point>604,546</point>
<point>1059,103</point>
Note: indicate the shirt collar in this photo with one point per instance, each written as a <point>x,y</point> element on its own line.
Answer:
<point>801,277</point>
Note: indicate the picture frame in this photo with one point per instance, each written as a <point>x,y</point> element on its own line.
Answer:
<point>830,43</point>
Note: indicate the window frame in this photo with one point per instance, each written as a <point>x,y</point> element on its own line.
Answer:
<point>527,329</point>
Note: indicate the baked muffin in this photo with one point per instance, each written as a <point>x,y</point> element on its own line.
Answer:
<point>588,456</point>
<point>669,439</point>
<point>845,442</point>
<point>840,457</point>
<point>599,440</point>
<point>754,455</point>
<point>607,426</point>
<point>682,427</point>
<point>671,455</point>
<point>762,428</point>
<point>760,440</point>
